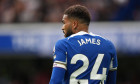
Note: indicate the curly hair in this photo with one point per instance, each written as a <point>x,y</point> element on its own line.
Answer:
<point>79,12</point>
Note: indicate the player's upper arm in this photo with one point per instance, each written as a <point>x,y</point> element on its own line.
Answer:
<point>60,54</point>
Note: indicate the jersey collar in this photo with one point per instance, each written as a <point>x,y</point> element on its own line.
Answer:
<point>79,33</point>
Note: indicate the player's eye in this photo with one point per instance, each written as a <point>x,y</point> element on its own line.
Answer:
<point>63,22</point>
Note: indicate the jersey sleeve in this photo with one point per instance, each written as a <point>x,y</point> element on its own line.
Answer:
<point>59,65</point>
<point>114,62</point>
<point>60,54</point>
<point>111,78</point>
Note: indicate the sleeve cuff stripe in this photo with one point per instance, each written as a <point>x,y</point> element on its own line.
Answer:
<point>59,65</point>
<point>60,62</point>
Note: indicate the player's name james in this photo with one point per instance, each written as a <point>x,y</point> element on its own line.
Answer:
<point>89,40</point>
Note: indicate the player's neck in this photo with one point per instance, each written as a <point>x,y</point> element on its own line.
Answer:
<point>82,28</point>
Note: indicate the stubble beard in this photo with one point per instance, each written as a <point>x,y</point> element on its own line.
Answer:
<point>69,32</point>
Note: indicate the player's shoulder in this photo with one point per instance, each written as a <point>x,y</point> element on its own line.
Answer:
<point>99,37</point>
<point>105,40</point>
<point>61,42</point>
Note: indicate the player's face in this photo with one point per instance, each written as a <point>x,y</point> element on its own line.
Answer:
<point>67,26</point>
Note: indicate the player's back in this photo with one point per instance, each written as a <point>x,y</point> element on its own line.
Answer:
<point>88,59</point>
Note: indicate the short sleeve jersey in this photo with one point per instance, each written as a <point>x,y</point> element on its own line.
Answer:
<point>86,57</point>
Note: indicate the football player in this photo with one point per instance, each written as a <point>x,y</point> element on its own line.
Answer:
<point>82,57</point>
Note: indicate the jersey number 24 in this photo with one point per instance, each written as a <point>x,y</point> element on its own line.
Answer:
<point>93,73</point>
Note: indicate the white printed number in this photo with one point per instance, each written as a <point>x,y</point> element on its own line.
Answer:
<point>93,74</point>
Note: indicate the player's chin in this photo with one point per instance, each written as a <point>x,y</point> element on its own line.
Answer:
<point>64,35</point>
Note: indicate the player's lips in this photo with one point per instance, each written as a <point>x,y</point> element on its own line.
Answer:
<point>63,32</point>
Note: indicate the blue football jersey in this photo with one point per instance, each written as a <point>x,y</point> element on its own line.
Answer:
<point>87,58</point>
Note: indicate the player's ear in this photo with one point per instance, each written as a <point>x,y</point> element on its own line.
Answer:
<point>75,25</point>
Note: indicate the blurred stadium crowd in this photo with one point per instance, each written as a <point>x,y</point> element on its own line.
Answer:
<point>13,11</point>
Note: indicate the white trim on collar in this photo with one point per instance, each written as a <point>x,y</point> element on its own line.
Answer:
<point>79,33</point>
<point>83,33</point>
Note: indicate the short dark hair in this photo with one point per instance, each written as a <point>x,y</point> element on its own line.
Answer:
<point>78,12</point>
